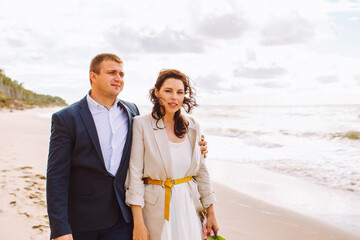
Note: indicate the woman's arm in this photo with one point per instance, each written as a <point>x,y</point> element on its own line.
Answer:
<point>140,231</point>
<point>211,222</point>
<point>205,189</point>
<point>134,184</point>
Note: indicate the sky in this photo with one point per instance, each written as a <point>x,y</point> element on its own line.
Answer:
<point>249,52</point>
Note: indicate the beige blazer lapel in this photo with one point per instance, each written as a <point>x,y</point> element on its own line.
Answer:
<point>163,145</point>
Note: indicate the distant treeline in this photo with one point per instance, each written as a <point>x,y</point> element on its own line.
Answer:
<point>14,95</point>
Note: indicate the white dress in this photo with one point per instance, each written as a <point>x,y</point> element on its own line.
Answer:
<point>184,222</point>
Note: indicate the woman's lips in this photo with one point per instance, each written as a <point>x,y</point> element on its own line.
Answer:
<point>172,104</point>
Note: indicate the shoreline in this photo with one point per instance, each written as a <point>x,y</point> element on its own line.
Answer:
<point>23,155</point>
<point>243,217</point>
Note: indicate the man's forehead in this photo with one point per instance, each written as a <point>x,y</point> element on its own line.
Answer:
<point>108,65</point>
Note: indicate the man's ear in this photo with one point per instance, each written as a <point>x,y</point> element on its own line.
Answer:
<point>92,76</point>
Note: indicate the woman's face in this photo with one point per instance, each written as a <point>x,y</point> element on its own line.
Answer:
<point>171,95</point>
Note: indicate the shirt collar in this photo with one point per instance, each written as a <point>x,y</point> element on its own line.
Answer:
<point>95,105</point>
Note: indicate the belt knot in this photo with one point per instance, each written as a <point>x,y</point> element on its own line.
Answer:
<point>168,183</point>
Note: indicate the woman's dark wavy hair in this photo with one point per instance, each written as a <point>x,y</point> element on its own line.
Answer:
<point>158,111</point>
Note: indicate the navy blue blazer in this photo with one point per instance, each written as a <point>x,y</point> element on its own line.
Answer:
<point>81,194</point>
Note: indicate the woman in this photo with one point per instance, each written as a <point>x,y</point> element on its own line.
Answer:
<point>168,183</point>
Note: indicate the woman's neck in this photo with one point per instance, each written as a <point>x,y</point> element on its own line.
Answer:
<point>168,119</point>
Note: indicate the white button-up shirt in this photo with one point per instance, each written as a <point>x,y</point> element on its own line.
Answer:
<point>112,128</point>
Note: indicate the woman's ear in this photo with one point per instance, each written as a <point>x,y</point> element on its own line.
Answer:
<point>156,92</point>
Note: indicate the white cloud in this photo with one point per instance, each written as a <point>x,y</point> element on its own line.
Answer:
<point>357,78</point>
<point>129,40</point>
<point>327,79</point>
<point>213,83</point>
<point>260,72</point>
<point>169,41</point>
<point>271,84</point>
<point>290,30</point>
<point>223,26</point>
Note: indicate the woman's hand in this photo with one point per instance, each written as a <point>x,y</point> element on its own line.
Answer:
<point>140,232</point>
<point>211,223</point>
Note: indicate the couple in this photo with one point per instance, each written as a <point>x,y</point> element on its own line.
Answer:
<point>90,165</point>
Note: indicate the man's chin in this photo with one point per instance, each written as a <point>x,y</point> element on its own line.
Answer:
<point>116,93</point>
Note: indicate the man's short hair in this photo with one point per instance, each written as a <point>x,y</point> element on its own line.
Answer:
<point>98,59</point>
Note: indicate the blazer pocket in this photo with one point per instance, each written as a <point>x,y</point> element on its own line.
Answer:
<point>151,194</point>
<point>80,189</point>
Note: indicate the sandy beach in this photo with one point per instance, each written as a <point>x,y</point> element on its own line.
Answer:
<point>24,137</point>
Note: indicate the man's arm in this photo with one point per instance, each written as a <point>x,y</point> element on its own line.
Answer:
<point>58,176</point>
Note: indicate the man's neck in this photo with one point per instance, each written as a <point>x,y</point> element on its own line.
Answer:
<point>106,102</point>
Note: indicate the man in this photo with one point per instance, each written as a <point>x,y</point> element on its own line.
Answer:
<point>88,160</point>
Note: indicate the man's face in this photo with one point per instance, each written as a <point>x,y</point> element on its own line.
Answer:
<point>110,81</point>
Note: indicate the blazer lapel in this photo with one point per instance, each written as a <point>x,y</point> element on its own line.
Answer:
<point>163,145</point>
<point>90,126</point>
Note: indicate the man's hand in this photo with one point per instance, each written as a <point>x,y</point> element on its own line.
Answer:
<point>203,146</point>
<point>65,237</point>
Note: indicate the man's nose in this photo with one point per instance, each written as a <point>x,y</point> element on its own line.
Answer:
<point>118,77</point>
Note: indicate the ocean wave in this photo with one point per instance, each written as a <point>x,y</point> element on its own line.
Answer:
<point>301,134</point>
<point>333,178</point>
<point>232,132</point>
<point>354,135</point>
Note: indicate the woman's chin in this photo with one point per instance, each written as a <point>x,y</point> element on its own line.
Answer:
<point>172,110</point>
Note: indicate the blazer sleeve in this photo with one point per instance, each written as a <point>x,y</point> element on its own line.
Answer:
<point>58,176</point>
<point>207,196</point>
<point>134,184</point>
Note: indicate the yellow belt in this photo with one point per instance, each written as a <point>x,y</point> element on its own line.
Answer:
<point>167,184</point>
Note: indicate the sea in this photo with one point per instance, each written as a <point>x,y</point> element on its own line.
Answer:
<point>317,143</point>
<point>305,158</point>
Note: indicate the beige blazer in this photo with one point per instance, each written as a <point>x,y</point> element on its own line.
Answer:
<point>150,157</point>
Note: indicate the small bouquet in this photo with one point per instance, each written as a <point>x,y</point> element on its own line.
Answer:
<point>203,220</point>
<point>215,238</point>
